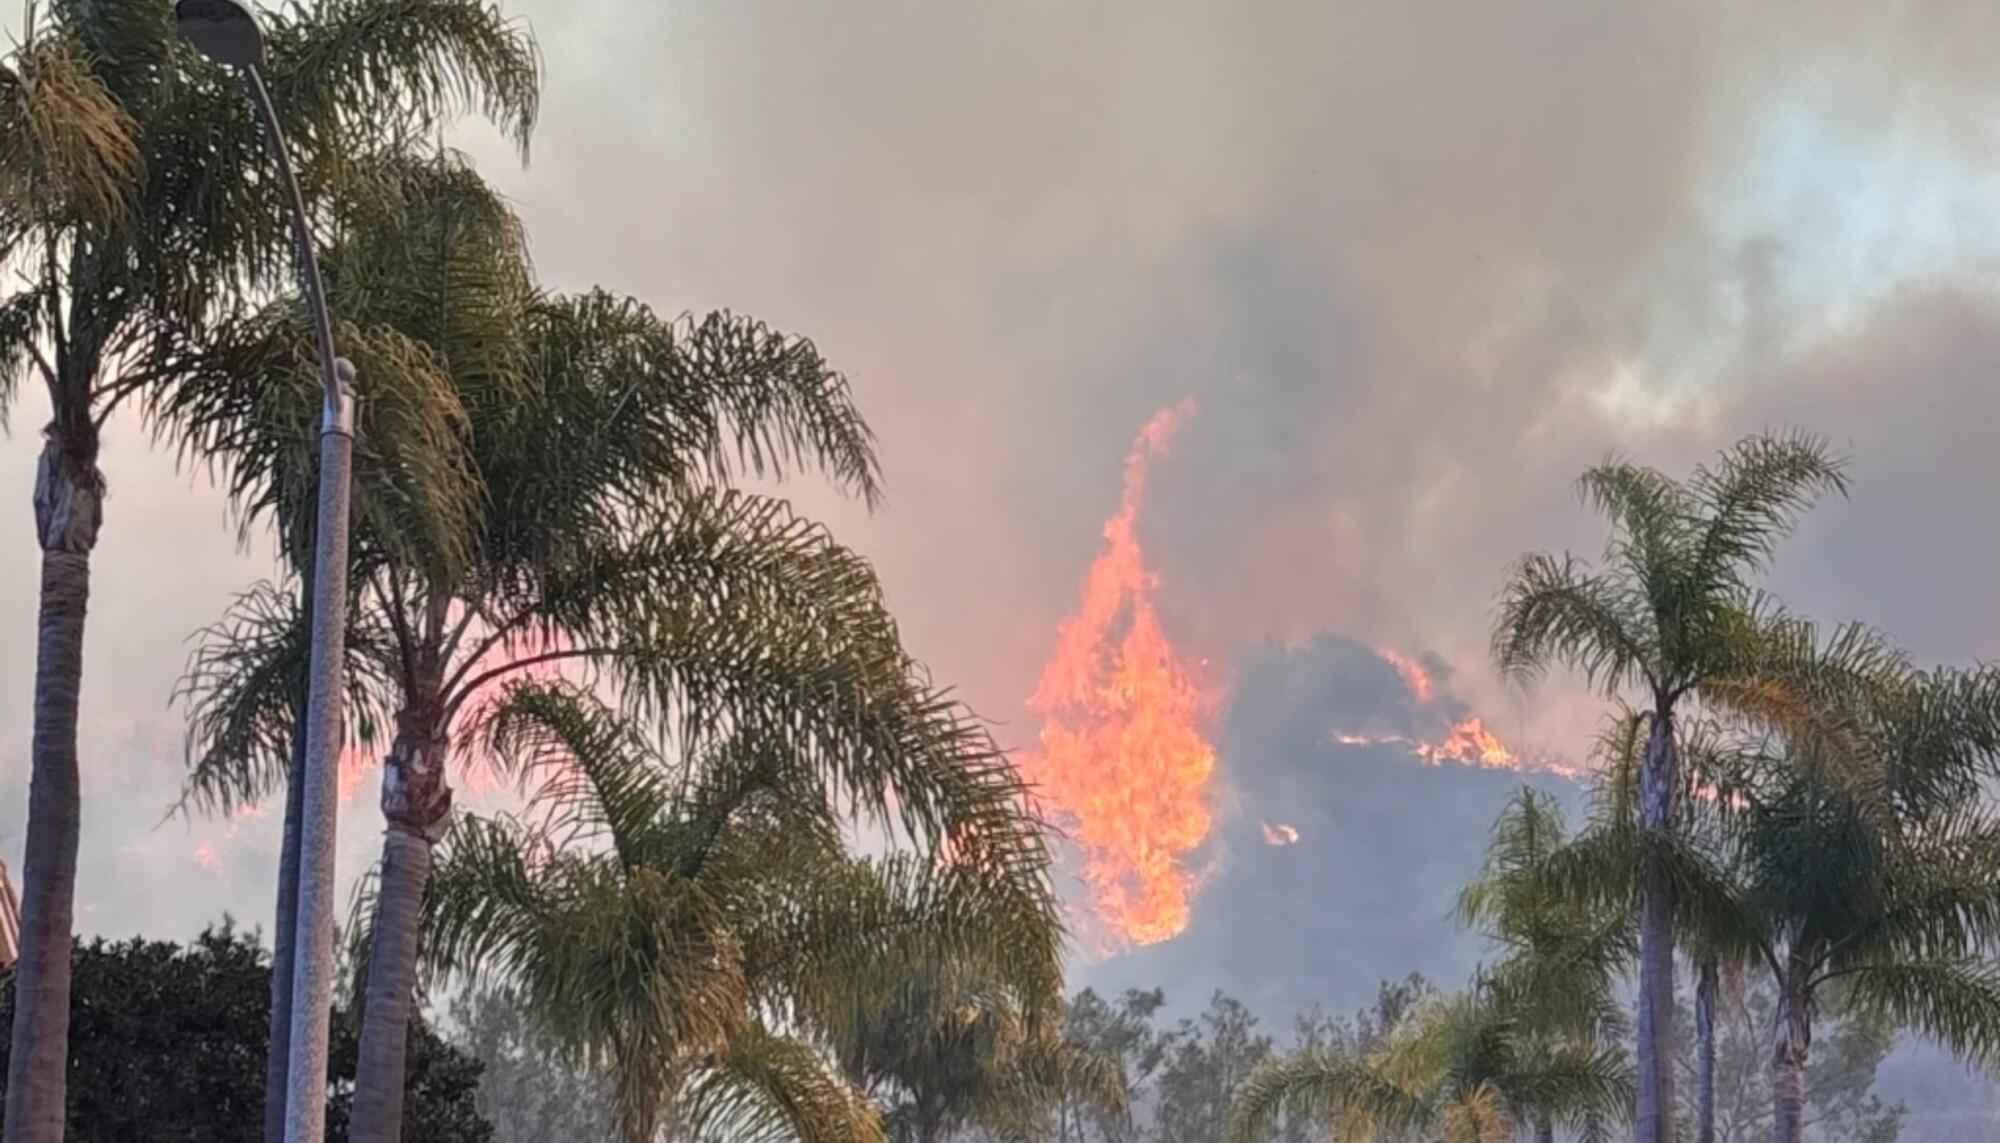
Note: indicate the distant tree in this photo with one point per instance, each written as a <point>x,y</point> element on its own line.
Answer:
<point>1841,1104</point>
<point>167,1045</point>
<point>1208,1058</point>
<point>951,1052</point>
<point>1122,1030</point>
<point>526,1091</point>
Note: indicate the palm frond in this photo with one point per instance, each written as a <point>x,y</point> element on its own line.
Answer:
<point>1477,1116</point>
<point>342,68</point>
<point>868,929</point>
<point>22,317</point>
<point>1753,499</point>
<point>1576,1085</point>
<point>629,410</point>
<point>740,619</point>
<point>1557,611</point>
<point>70,153</point>
<point>243,691</point>
<point>591,774</point>
<point>776,1088</point>
<point>246,406</point>
<point>1954,1002</point>
<point>1321,1087</point>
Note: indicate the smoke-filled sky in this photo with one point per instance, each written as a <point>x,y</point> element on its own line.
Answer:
<point>1416,263</point>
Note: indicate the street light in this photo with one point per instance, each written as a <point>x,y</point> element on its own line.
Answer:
<point>226,32</point>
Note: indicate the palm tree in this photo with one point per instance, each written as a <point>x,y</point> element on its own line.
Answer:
<point>1787,865</point>
<point>668,921</point>
<point>413,496</point>
<point>244,404</point>
<point>132,208</point>
<point>605,540</point>
<point>1561,955</point>
<point>1565,907</point>
<point>1673,614</point>
<point>1898,913</point>
<point>1464,1069</point>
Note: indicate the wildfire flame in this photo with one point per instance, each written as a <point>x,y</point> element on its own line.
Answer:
<point>1278,834</point>
<point>1414,675</point>
<point>1467,743</point>
<point>1472,744</point>
<point>1123,760</point>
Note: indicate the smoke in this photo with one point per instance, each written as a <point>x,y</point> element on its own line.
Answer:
<point>1417,263</point>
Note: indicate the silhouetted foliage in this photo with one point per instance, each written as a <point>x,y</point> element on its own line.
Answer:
<point>167,1046</point>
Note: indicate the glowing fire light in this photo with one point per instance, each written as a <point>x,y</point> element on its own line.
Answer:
<point>352,770</point>
<point>1279,835</point>
<point>1467,743</point>
<point>1122,759</point>
<point>1470,743</point>
<point>1414,675</point>
<point>206,857</point>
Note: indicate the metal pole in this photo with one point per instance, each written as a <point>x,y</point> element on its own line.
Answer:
<point>312,975</point>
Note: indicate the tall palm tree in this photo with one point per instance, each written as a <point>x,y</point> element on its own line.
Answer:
<point>132,208</point>
<point>1464,1069</point>
<point>1561,955</point>
<point>665,920</point>
<point>243,405</point>
<point>605,540</point>
<point>1703,744</point>
<point>413,497</point>
<point>1672,614</point>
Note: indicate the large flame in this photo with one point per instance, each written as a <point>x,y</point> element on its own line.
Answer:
<point>1123,760</point>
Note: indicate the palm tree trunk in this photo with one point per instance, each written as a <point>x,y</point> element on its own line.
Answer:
<point>1654,1121</point>
<point>277,1057</point>
<point>1706,986</point>
<point>1792,1042</point>
<point>417,804</point>
<point>1545,1129</point>
<point>68,491</point>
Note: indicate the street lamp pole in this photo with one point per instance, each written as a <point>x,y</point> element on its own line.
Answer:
<point>225,31</point>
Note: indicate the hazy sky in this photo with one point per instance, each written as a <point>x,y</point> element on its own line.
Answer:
<point>1417,264</point>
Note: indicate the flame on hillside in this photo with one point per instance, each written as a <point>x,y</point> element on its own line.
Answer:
<point>1414,675</point>
<point>1123,760</point>
<point>1467,743</point>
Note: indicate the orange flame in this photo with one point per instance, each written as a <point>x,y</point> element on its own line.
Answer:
<point>1470,743</point>
<point>1123,760</point>
<point>1414,675</point>
<point>1467,743</point>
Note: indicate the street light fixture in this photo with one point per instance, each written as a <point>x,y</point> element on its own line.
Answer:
<point>225,31</point>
